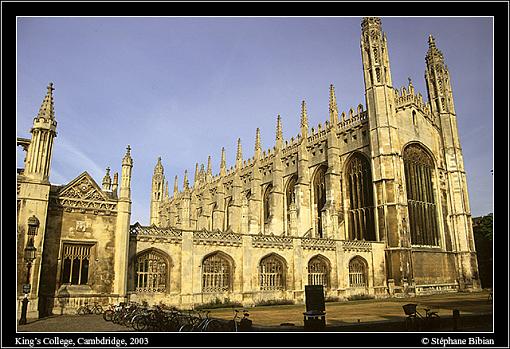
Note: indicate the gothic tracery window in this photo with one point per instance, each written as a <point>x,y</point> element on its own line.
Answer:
<point>272,273</point>
<point>75,264</point>
<point>318,271</point>
<point>216,274</point>
<point>358,273</point>
<point>361,201</point>
<point>290,199</point>
<point>319,190</point>
<point>151,272</point>
<point>418,167</point>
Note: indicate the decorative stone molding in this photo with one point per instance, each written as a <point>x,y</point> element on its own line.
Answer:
<point>318,244</point>
<point>155,234</point>
<point>217,238</point>
<point>271,241</point>
<point>357,246</point>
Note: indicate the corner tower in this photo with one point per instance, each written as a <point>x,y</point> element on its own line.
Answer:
<point>386,160</point>
<point>440,95</point>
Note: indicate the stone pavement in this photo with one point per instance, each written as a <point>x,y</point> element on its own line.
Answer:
<point>364,315</point>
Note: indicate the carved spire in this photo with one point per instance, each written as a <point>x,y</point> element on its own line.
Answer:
<point>176,186</point>
<point>158,169</point>
<point>115,184</point>
<point>195,181</point>
<point>209,168</point>
<point>223,163</point>
<point>333,109</point>
<point>202,173</point>
<point>239,154</point>
<point>47,110</point>
<point>304,121</point>
<point>185,182</point>
<point>257,144</point>
<point>279,132</point>
<point>434,55</point>
<point>127,160</point>
<point>107,180</point>
<point>166,194</point>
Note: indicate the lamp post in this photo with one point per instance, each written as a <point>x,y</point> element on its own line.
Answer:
<point>29,257</point>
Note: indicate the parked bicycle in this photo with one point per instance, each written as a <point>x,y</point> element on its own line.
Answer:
<point>87,309</point>
<point>242,325</point>
<point>416,321</point>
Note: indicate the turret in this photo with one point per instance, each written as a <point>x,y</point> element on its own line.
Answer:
<point>37,166</point>
<point>440,95</point>
<point>209,169</point>
<point>125,185</point>
<point>158,180</point>
<point>176,186</point>
<point>374,51</point>
<point>107,180</point>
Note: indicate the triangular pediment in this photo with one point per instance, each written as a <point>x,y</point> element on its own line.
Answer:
<point>83,187</point>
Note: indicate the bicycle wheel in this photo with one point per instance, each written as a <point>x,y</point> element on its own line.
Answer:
<point>82,311</point>
<point>214,326</point>
<point>98,309</point>
<point>108,315</point>
<point>140,323</point>
<point>433,322</point>
<point>186,328</point>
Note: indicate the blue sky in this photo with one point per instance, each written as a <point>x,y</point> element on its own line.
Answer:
<point>183,88</point>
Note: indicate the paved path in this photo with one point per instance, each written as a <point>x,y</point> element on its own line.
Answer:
<point>338,314</point>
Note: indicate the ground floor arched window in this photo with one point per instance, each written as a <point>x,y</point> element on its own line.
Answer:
<point>216,273</point>
<point>151,272</point>
<point>318,271</point>
<point>358,272</point>
<point>272,276</point>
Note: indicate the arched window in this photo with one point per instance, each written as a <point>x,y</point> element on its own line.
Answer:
<point>358,273</point>
<point>361,201</point>
<point>318,271</point>
<point>418,167</point>
<point>267,203</point>
<point>319,192</point>
<point>216,273</point>
<point>290,199</point>
<point>228,212</point>
<point>272,273</point>
<point>151,272</point>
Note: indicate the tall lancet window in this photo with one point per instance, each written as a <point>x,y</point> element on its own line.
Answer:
<point>290,200</point>
<point>267,203</point>
<point>419,167</point>
<point>361,201</point>
<point>319,191</point>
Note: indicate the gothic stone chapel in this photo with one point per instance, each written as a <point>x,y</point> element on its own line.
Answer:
<point>374,202</point>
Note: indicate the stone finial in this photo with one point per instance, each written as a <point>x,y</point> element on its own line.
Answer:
<point>257,144</point>
<point>304,121</point>
<point>127,160</point>
<point>107,180</point>
<point>159,167</point>
<point>209,168</point>
<point>195,180</point>
<point>279,131</point>
<point>432,42</point>
<point>176,186</point>
<point>239,154</point>
<point>166,194</point>
<point>47,109</point>
<point>223,162</point>
<point>333,109</point>
<point>185,182</point>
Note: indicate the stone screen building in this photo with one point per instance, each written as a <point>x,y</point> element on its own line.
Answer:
<point>373,201</point>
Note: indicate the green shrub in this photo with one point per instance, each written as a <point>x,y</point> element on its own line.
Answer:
<point>359,297</point>
<point>266,302</point>
<point>218,303</point>
<point>332,299</point>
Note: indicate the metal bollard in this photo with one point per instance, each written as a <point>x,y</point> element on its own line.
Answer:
<point>456,317</point>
